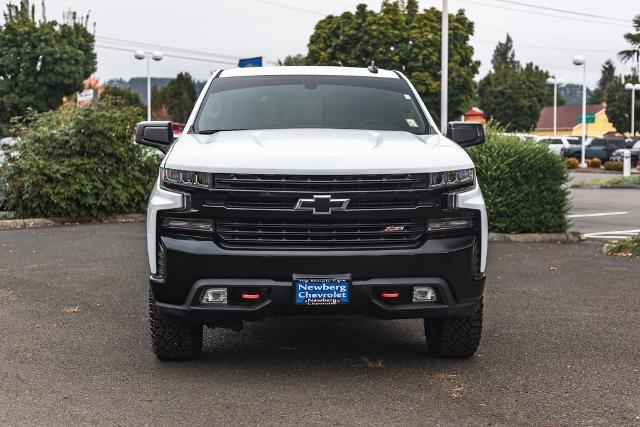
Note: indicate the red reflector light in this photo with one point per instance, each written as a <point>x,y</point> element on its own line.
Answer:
<point>251,295</point>
<point>390,294</point>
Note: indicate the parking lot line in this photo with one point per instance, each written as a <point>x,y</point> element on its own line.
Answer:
<point>612,235</point>
<point>597,214</point>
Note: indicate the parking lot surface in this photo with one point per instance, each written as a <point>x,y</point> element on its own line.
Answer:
<point>605,214</point>
<point>560,347</point>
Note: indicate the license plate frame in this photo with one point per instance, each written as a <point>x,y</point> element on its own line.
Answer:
<point>321,289</point>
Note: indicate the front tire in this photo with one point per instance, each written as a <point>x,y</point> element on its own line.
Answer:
<point>173,338</point>
<point>454,337</point>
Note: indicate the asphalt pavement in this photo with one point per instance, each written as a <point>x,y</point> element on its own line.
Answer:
<point>560,347</point>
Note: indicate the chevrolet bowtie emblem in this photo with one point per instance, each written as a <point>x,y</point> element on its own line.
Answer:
<point>322,205</point>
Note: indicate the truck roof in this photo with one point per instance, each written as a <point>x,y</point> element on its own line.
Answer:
<point>307,70</point>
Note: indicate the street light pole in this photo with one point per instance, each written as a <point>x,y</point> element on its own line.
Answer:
<point>555,82</point>
<point>633,88</point>
<point>579,60</point>
<point>444,66</point>
<point>156,56</point>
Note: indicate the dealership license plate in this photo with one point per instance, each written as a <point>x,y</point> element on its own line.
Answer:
<point>321,291</point>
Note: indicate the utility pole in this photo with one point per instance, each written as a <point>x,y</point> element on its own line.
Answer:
<point>444,66</point>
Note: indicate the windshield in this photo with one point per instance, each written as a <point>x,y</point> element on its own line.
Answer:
<point>286,102</point>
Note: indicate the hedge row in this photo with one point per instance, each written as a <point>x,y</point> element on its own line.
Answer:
<point>78,162</point>
<point>523,183</point>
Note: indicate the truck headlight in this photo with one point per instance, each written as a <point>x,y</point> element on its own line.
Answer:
<point>189,178</point>
<point>455,178</point>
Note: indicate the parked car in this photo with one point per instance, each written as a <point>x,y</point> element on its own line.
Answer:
<point>601,148</point>
<point>556,143</point>
<point>618,155</point>
<point>314,192</point>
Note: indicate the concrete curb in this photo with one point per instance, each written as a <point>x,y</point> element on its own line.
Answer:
<point>568,237</point>
<point>14,224</point>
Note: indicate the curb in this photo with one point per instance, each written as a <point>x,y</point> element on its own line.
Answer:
<point>14,224</point>
<point>568,237</point>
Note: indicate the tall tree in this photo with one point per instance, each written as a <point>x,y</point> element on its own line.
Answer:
<point>511,94</point>
<point>41,61</point>
<point>504,54</point>
<point>403,38</point>
<point>634,40</point>
<point>607,78</point>
<point>619,105</point>
<point>178,96</point>
<point>298,59</point>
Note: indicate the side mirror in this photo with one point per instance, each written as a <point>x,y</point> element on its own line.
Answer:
<point>466,134</point>
<point>155,134</point>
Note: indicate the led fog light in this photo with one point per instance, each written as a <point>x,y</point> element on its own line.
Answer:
<point>214,295</point>
<point>449,224</point>
<point>424,294</point>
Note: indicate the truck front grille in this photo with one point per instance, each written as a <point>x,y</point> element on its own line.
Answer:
<point>320,183</point>
<point>289,203</point>
<point>320,234</point>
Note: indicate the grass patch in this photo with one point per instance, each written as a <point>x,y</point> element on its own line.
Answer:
<point>627,247</point>
<point>616,182</point>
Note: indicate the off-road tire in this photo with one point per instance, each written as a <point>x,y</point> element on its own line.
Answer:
<point>454,337</point>
<point>173,338</point>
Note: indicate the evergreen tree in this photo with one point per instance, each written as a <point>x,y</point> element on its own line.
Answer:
<point>41,61</point>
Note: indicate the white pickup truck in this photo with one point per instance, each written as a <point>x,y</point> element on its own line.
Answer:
<point>314,192</point>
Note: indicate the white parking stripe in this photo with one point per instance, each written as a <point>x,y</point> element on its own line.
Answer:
<point>612,235</point>
<point>597,214</point>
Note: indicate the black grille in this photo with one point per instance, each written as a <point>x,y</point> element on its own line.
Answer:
<point>320,183</point>
<point>303,234</point>
<point>289,203</point>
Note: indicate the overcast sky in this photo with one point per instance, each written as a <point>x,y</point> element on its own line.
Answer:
<point>275,28</point>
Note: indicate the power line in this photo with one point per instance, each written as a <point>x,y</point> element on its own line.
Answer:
<point>133,43</point>
<point>285,6</point>
<point>169,55</point>
<point>539,13</point>
<point>571,12</point>
<point>569,49</point>
<point>502,30</point>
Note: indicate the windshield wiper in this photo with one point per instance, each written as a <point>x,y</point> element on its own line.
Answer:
<point>212,131</point>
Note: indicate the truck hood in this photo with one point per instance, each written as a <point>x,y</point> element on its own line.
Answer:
<point>316,151</point>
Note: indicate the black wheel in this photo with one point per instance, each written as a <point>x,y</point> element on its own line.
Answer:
<point>454,337</point>
<point>173,338</point>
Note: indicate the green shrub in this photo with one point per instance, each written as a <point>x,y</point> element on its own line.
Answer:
<point>613,166</point>
<point>627,247</point>
<point>572,163</point>
<point>523,183</point>
<point>78,162</point>
<point>595,163</point>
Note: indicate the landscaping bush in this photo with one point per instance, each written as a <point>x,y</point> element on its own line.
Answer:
<point>572,163</point>
<point>78,162</point>
<point>523,185</point>
<point>627,247</point>
<point>594,163</point>
<point>613,166</point>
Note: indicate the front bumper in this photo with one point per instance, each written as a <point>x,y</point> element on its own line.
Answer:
<point>446,264</point>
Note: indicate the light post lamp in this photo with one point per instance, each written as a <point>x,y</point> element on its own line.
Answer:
<point>156,56</point>
<point>579,60</point>
<point>633,88</point>
<point>444,66</point>
<point>555,82</point>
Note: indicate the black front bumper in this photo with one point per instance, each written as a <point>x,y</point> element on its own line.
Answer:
<point>447,264</point>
